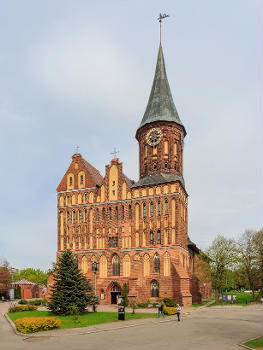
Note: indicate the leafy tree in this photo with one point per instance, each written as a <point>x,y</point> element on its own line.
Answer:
<point>258,243</point>
<point>34,275</point>
<point>202,268</point>
<point>222,254</point>
<point>247,251</point>
<point>70,288</point>
<point>125,294</point>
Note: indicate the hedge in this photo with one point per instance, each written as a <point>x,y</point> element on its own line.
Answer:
<point>35,324</point>
<point>22,308</point>
<point>169,310</point>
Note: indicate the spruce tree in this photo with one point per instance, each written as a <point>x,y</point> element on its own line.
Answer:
<point>125,294</point>
<point>70,288</point>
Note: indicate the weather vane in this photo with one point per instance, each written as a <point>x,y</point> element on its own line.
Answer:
<point>115,152</point>
<point>161,17</point>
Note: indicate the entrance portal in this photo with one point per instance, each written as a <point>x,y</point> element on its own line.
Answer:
<point>115,291</point>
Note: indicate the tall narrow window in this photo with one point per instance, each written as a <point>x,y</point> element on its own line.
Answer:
<point>122,213</point>
<point>80,216</point>
<point>116,266</point>
<point>156,263</point>
<point>70,181</point>
<point>166,206</point>
<point>154,289</point>
<point>159,237</point>
<point>98,215</point>
<point>151,237</point>
<point>144,210</point>
<point>68,200</point>
<point>86,215</point>
<point>116,213</point>
<point>81,179</point>
<point>68,217</point>
<point>110,216</point>
<point>130,212</point>
<point>110,241</point>
<point>103,213</point>
<point>159,208</point>
<point>74,217</point>
<point>86,197</point>
<point>151,208</point>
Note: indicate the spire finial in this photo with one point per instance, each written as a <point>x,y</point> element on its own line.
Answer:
<point>77,148</point>
<point>115,152</point>
<point>161,17</point>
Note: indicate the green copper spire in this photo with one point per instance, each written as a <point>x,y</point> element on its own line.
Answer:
<point>160,105</point>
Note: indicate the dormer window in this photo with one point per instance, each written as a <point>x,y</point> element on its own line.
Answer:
<point>70,181</point>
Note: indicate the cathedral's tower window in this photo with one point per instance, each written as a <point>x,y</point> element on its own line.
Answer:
<point>130,212</point>
<point>74,217</point>
<point>103,214</point>
<point>151,237</point>
<point>151,209</point>
<point>110,215</point>
<point>116,266</point>
<point>70,181</point>
<point>80,216</point>
<point>98,215</point>
<point>123,212</point>
<point>166,206</point>
<point>159,237</point>
<point>86,198</point>
<point>81,179</point>
<point>154,289</point>
<point>144,210</point>
<point>159,208</point>
<point>68,217</point>
<point>116,213</point>
<point>156,262</point>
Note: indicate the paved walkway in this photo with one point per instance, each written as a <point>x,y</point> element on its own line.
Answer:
<point>216,328</point>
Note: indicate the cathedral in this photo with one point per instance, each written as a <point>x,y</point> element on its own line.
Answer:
<point>135,232</point>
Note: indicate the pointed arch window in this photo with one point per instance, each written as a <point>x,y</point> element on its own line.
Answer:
<point>156,262</point>
<point>70,181</point>
<point>80,217</point>
<point>159,237</point>
<point>74,217</point>
<point>81,179</point>
<point>159,208</point>
<point>98,215</point>
<point>151,209</point>
<point>123,212</point>
<point>166,206</point>
<point>86,215</point>
<point>154,289</point>
<point>110,215</point>
<point>103,213</point>
<point>144,210</point>
<point>151,237</point>
<point>68,217</point>
<point>116,266</point>
<point>130,212</point>
<point>116,213</point>
<point>86,197</point>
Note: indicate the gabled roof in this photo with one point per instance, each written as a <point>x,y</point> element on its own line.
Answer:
<point>94,173</point>
<point>128,181</point>
<point>160,106</point>
<point>24,281</point>
<point>157,179</point>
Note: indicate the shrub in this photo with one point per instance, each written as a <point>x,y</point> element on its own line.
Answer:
<point>43,302</point>
<point>143,305</point>
<point>169,310</point>
<point>17,308</point>
<point>125,294</point>
<point>23,302</point>
<point>35,324</point>
<point>35,302</point>
<point>169,302</point>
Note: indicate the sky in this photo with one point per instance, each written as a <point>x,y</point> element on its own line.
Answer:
<point>80,73</point>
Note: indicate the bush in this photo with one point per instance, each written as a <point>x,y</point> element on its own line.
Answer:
<point>143,305</point>
<point>35,302</point>
<point>23,302</point>
<point>35,324</point>
<point>125,294</point>
<point>169,302</point>
<point>43,302</point>
<point>169,310</point>
<point>17,308</point>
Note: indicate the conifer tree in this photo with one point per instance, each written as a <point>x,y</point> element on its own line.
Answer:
<point>70,288</point>
<point>125,294</point>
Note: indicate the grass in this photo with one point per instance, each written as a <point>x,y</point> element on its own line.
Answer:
<point>242,299</point>
<point>86,319</point>
<point>255,343</point>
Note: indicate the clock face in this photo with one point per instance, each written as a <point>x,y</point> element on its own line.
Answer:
<point>154,136</point>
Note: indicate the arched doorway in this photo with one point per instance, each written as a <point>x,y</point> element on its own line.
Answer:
<point>114,292</point>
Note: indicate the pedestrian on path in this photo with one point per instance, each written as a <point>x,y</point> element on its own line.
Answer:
<point>160,310</point>
<point>178,311</point>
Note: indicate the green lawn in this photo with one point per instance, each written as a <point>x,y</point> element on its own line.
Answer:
<point>242,299</point>
<point>87,319</point>
<point>255,343</point>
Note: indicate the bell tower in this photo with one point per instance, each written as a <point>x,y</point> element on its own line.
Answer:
<point>161,132</point>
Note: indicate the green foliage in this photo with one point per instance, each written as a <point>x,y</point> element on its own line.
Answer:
<point>70,288</point>
<point>74,311</point>
<point>34,275</point>
<point>23,302</point>
<point>17,292</point>
<point>35,302</point>
<point>30,325</point>
<point>169,302</point>
<point>255,343</point>
<point>143,305</point>
<point>125,294</point>
<point>18,308</point>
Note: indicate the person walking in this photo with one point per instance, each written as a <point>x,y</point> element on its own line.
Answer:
<point>178,311</point>
<point>160,310</point>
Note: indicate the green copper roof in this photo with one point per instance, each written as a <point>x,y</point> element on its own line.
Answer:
<point>160,105</point>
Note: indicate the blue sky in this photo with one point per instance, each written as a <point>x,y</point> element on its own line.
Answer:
<point>80,72</point>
